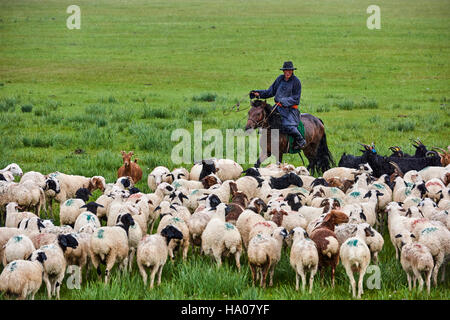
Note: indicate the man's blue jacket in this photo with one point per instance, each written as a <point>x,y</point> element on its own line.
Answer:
<point>288,94</point>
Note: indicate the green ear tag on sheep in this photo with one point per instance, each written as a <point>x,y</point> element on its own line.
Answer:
<point>176,184</point>
<point>176,219</point>
<point>333,190</point>
<point>89,217</point>
<point>69,202</point>
<point>100,233</point>
<point>195,191</point>
<point>229,226</point>
<point>355,194</point>
<point>18,238</point>
<point>352,243</point>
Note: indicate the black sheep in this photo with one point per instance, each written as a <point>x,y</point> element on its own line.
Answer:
<point>83,194</point>
<point>285,181</point>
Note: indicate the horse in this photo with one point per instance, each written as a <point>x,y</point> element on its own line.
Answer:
<point>262,115</point>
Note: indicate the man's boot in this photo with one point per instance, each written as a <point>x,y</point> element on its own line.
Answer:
<point>299,143</point>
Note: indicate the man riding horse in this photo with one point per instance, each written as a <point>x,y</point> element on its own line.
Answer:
<point>287,90</point>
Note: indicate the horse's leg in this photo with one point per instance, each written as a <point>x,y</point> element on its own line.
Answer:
<point>264,142</point>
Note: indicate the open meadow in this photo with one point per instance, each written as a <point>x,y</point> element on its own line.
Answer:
<point>71,100</point>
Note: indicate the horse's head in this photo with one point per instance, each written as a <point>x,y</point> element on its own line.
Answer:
<point>256,114</point>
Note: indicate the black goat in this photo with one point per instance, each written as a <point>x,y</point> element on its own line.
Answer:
<point>285,181</point>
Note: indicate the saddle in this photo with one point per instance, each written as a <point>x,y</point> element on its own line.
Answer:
<point>275,123</point>
<point>301,129</point>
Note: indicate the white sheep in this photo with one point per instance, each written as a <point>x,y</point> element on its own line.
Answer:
<point>27,194</point>
<point>134,236</point>
<point>70,210</point>
<point>19,247</point>
<point>23,277</point>
<point>434,187</point>
<point>346,173</point>
<point>227,169</point>
<point>6,234</point>
<point>431,172</point>
<point>264,253</point>
<point>416,258</point>
<point>180,173</point>
<point>13,216</point>
<point>32,225</point>
<point>69,184</point>
<point>54,268</point>
<point>222,238</point>
<point>110,245</point>
<point>355,256</point>
<point>249,185</point>
<point>181,225</point>
<point>157,176</point>
<point>86,218</point>
<point>14,168</point>
<point>152,252</point>
<point>223,191</point>
<point>437,239</point>
<point>249,217</point>
<point>303,257</point>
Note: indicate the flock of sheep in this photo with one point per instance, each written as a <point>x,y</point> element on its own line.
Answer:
<point>214,209</point>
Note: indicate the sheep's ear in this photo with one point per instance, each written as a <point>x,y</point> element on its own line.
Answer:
<point>413,236</point>
<point>398,235</point>
<point>362,216</point>
<point>150,202</point>
<point>84,206</point>
<point>157,208</point>
<point>306,234</point>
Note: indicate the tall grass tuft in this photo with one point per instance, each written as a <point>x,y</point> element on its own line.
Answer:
<point>207,97</point>
<point>402,126</point>
<point>26,108</point>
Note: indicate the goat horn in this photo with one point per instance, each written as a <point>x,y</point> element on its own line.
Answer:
<point>397,168</point>
<point>437,148</point>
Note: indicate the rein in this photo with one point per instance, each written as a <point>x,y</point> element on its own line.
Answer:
<point>237,105</point>
<point>264,120</point>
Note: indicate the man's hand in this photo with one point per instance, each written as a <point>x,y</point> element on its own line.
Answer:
<point>254,94</point>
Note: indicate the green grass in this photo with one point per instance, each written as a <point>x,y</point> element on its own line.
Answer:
<point>134,73</point>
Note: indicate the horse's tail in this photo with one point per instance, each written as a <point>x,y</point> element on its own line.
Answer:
<point>324,158</point>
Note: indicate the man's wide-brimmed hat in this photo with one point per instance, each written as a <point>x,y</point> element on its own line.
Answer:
<point>288,65</point>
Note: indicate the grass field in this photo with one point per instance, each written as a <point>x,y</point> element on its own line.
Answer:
<point>137,70</point>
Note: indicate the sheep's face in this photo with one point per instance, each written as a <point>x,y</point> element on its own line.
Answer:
<point>67,241</point>
<point>15,169</point>
<point>337,217</point>
<point>52,184</point>
<point>170,232</point>
<point>38,255</point>
<point>212,201</point>
<point>98,182</point>
<point>208,167</point>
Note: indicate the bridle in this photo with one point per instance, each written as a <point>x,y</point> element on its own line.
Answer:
<point>263,122</point>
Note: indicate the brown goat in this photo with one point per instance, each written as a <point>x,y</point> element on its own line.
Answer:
<point>209,181</point>
<point>327,243</point>
<point>129,168</point>
<point>238,203</point>
<point>277,216</point>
